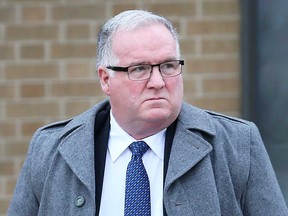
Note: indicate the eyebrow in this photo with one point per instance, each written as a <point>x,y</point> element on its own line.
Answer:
<point>148,63</point>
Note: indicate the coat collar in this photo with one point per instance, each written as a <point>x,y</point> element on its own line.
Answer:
<point>77,143</point>
<point>189,146</point>
<point>193,118</point>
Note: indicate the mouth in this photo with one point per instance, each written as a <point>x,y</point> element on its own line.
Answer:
<point>155,99</point>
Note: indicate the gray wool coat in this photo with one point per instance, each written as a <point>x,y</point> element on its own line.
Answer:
<point>218,166</point>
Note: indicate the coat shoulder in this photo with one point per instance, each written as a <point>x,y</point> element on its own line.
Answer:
<point>229,120</point>
<point>238,126</point>
<point>54,126</point>
<point>213,122</point>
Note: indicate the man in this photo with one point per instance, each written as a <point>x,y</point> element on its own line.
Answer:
<point>197,162</point>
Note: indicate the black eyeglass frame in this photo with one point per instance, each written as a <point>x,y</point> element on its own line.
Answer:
<point>126,69</point>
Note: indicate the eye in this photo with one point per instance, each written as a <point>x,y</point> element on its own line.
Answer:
<point>168,65</point>
<point>139,68</point>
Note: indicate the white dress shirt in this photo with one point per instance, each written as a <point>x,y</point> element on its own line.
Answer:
<point>117,159</point>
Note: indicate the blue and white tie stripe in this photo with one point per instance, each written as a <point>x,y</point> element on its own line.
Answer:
<point>137,189</point>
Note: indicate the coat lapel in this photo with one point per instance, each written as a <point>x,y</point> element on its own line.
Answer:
<point>78,152</point>
<point>77,146</point>
<point>187,150</point>
<point>188,147</point>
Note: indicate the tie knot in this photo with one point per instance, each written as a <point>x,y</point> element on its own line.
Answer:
<point>138,148</point>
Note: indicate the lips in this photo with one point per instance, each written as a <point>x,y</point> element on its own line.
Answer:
<point>155,99</point>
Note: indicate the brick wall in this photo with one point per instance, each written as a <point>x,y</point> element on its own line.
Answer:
<point>47,55</point>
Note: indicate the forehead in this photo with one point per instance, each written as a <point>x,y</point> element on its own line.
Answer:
<point>144,44</point>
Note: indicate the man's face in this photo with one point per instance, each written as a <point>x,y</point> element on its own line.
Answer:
<point>143,108</point>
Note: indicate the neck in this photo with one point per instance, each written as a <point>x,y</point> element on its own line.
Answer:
<point>139,129</point>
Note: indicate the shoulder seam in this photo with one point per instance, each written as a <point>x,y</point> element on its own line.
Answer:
<point>55,124</point>
<point>234,119</point>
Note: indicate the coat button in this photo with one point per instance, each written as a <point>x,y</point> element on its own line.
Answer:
<point>80,201</point>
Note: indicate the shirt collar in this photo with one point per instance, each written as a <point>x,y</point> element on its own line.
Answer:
<point>119,141</point>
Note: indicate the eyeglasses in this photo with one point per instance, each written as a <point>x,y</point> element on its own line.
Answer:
<point>143,72</point>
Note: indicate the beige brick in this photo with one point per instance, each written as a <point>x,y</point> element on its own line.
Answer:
<point>189,86</point>
<point>7,52</point>
<point>82,1</point>
<point>218,104</point>
<point>7,129</point>
<point>78,31</point>
<point>188,46</point>
<point>6,167</point>
<point>33,13</point>
<point>29,127</point>
<point>10,186</point>
<point>118,8</point>
<point>72,50</point>
<point>32,51</point>
<point>206,27</point>
<point>7,13</point>
<point>35,32</point>
<point>218,85</point>
<point>7,91</point>
<point>173,9</point>
<point>89,88</point>
<point>32,71</point>
<point>29,109</point>
<point>96,28</point>
<point>221,8</point>
<point>32,90</point>
<point>16,148</point>
<point>211,46</point>
<point>212,66</point>
<point>2,154</point>
<point>79,70</point>
<point>78,11</point>
<point>2,182</point>
<point>35,1</point>
<point>2,72</point>
<point>73,108</point>
<point>4,203</point>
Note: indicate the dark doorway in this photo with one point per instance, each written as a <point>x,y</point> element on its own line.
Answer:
<point>265,77</point>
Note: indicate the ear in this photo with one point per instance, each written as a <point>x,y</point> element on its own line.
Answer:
<point>104,79</point>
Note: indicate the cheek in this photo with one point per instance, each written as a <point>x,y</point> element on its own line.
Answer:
<point>133,98</point>
<point>125,92</point>
<point>176,89</point>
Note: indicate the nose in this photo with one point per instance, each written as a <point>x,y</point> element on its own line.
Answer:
<point>156,79</point>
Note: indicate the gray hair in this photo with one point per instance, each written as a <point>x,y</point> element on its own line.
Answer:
<point>127,21</point>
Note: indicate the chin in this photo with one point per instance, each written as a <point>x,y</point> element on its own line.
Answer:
<point>159,114</point>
